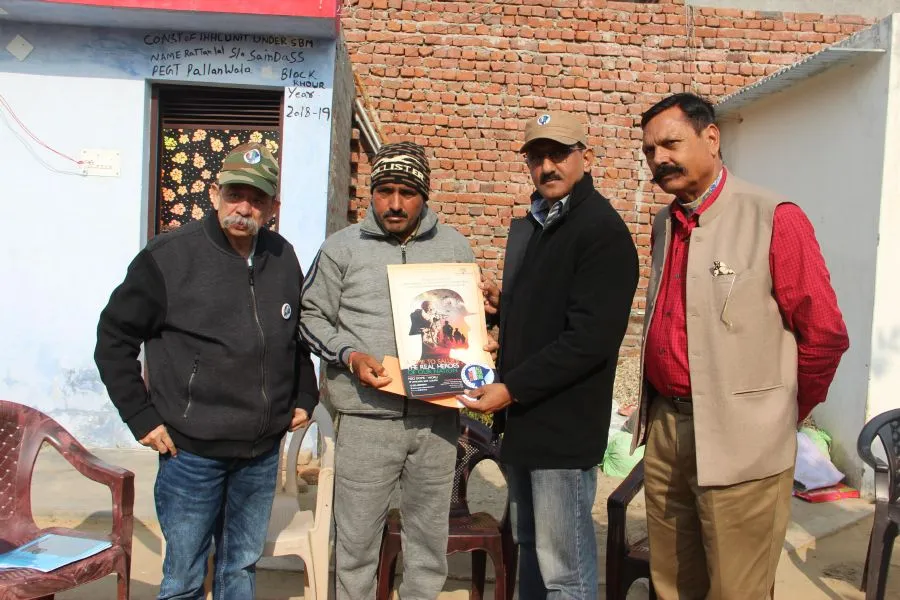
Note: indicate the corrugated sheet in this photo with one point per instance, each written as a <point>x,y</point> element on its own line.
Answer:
<point>864,43</point>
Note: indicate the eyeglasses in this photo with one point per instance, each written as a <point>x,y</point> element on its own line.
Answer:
<point>556,155</point>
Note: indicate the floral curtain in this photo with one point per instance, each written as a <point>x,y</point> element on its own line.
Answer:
<point>189,161</point>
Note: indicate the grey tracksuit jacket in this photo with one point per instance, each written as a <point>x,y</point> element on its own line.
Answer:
<point>346,305</point>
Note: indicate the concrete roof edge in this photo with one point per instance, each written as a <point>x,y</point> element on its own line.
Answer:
<point>869,41</point>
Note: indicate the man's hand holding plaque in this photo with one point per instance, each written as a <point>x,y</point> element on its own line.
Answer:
<point>368,371</point>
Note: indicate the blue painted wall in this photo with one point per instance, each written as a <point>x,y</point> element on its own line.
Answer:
<point>67,238</point>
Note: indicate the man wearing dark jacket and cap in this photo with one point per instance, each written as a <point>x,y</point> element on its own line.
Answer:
<point>216,305</point>
<point>569,278</point>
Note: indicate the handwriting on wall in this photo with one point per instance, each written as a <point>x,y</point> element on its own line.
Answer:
<point>302,103</point>
<point>290,61</point>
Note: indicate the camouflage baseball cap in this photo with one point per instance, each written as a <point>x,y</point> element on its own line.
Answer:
<point>251,164</point>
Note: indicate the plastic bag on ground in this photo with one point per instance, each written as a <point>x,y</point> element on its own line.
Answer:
<point>618,460</point>
<point>820,438</point>
<point>616,421</point>
<point>814,469</point>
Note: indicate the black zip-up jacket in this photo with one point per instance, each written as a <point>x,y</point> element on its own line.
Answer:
<point>567,293</point>
<point>225,368</point>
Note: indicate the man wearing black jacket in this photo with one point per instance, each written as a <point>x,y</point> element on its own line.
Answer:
<point>569,278</point>
<point>216,305</point>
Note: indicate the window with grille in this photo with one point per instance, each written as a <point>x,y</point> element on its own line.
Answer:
<point>196,127</point>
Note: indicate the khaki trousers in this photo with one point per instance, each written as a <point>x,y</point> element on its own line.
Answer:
<point>713,543</point>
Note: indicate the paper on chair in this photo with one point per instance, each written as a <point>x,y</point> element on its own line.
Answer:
<point>50,552</point>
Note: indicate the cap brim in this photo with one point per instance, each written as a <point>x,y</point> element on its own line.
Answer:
<point>549,135</point>
<point>266,187</point>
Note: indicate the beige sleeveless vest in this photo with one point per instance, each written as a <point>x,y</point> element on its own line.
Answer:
<point>742,357</point>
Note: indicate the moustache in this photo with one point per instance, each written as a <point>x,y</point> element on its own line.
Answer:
<point>548,177</point>
<point>395,213</point>
<point>664,171</point>
<point>247,223</point>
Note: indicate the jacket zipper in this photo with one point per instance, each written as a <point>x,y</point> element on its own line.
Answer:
<point>262,341</point>
<point>408,240</point>
<point>191,386</point>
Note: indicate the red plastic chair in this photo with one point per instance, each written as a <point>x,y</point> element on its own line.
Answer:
<point>22,432</point>
<point>479,533</point>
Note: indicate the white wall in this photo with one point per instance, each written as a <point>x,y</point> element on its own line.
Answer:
<point>68,239</point>
<point>821,144</point>
<point>885,380</point>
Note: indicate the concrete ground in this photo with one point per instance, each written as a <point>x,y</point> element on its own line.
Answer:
<point>823,557</point>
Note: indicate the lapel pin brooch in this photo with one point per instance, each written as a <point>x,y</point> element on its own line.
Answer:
<point>720,269</point>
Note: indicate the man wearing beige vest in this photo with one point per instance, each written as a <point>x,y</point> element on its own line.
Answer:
<point>741,340</point>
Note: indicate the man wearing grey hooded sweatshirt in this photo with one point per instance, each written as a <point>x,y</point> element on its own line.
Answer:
<point>382,439</point>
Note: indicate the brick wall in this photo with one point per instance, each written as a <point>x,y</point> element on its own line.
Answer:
<point>462,78</point>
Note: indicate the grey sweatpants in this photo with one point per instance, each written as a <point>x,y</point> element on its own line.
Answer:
<point>372,456</point>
